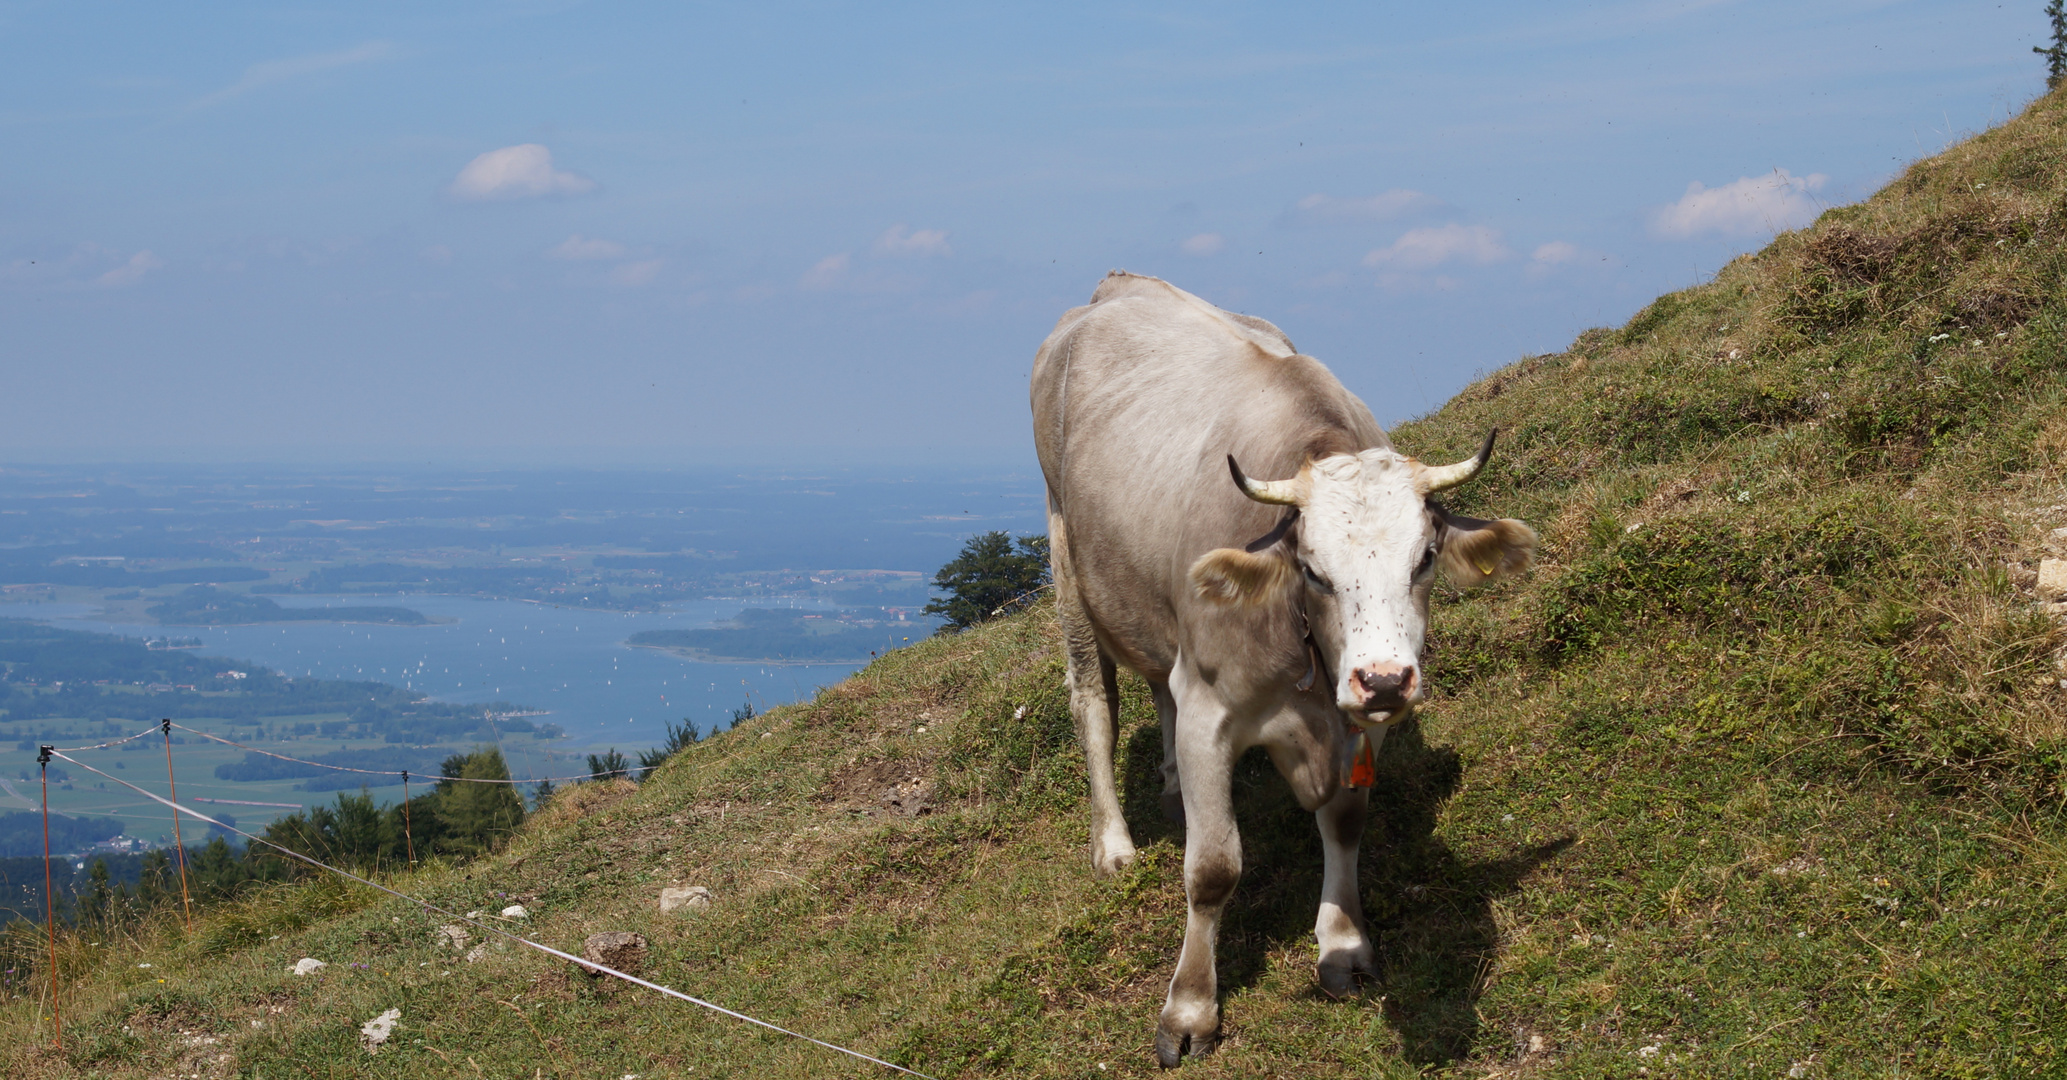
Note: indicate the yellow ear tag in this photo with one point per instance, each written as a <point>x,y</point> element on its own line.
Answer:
<point>1485,568</point>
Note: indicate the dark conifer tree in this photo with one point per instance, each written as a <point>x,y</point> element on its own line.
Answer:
<point>2056,53</point>
<point>990,578</point>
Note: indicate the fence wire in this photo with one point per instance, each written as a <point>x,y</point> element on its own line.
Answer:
<point>586,964</point>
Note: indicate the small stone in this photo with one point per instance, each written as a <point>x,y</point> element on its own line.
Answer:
<point>308,965</point>
<point>515,911</point>
<point>2052,578</point>
<point>453,936</point>
<point>476,954</point>
<point>685,899</point>
<point>910,798</point>
<point>376,1031</point>
<point>618,949</point>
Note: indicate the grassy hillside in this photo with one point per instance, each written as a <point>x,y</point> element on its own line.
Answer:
<point>1759,774</point>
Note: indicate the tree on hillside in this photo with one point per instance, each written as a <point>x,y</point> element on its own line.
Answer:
<point>990,578</point>
<point>477,817</point>
<point>2055,54</point>
<point>678,739</point>
<point>610,766</point>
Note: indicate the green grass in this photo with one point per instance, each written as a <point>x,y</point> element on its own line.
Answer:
<point>1760,770</point>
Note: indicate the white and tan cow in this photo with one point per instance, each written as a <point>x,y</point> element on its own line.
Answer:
<point>1285,613</point>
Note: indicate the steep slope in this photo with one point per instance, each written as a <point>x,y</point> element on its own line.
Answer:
<point>1759,773</point>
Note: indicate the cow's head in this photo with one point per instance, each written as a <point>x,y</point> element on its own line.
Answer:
<point>1357,552</point>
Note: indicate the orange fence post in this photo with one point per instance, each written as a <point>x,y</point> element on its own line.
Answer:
<point>50,904</point>
<point>406,837</point>
<point>178,844</point>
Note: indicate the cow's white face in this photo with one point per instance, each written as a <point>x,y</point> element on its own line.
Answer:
<point>1366,552</point>
<point>1360,564</point>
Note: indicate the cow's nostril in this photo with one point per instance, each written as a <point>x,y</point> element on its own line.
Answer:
<point>1383,686</point>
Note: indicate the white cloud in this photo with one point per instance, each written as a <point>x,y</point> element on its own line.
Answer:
<point>516,172</point>
<point>139,264</point>
<point>272,71</point>
<point>1317,209</point>
<point>1748,206</point>
<point>1204,244</point>
<point>580,247</point>
<point>637,273</point>
<point>896,241</point>
<point>827,272</point>
<point>1562,258</point>
<point>1420,249</point>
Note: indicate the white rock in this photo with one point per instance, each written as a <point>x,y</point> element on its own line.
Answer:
<point>692,898</point>
<point>453,935</point>
<point>2052,578</point>
<point>515,911</point>
<point>377,1030</point>
<point>477,953</point>
<point>308,965</point>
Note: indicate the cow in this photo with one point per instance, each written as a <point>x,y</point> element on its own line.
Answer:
<point>1286,613</point>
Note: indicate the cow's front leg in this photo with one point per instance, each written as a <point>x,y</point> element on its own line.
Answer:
<point>1345,946</point>
<point>1190,1023</point>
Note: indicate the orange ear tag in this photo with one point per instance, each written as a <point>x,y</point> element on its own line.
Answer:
<point>1364,771</point>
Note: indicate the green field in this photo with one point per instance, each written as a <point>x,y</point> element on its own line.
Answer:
<point>72,688</point>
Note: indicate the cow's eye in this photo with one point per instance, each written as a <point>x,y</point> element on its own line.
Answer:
<point>1319,583</point>
<point>1427,564</point>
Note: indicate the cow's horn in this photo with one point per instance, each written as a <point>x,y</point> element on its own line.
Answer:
<point>1436,478</point>
<point>1276,492</point>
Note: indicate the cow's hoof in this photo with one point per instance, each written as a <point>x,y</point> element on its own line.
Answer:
<point>1110,859</point>
<point>1173,807</point>
<point>1172,1046</point>
<point>1340,981</point>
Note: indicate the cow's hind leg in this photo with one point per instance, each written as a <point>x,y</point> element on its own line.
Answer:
<point>1166,713</point>
<point>1190,1021</point>
<point>1094,703</point>
<point>1345,947</point>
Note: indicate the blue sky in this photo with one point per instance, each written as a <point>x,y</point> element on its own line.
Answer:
<point>658,234</point>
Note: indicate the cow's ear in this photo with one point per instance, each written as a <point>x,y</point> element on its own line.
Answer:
<point>1232,576</point>
<point>1476,551</point>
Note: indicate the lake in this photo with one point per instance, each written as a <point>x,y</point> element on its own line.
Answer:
<point>569,661</point>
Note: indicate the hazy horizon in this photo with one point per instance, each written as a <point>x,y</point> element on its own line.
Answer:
<point>611,235</point>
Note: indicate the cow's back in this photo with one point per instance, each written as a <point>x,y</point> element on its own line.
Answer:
<point>1138,399</point>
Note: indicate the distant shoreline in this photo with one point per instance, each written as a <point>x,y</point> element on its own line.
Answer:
<point>428,620</point>
<point>702,657</point>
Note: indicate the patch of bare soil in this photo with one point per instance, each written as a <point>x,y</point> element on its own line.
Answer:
<point>896,788</point>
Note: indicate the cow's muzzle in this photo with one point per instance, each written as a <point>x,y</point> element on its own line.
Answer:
<point>1382,687</point>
